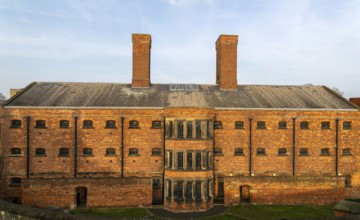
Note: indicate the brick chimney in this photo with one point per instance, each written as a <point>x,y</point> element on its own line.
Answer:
<point>226,62</point>
<point>355,101</point>
<point>141,60</point>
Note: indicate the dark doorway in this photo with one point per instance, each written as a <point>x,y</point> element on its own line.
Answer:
<point>245,194</point>
<point>157,192</point>
<point>220,192</point>
<point>81,197</point>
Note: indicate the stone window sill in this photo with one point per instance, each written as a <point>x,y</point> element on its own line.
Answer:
<point>110,127</point>
<point>133,127</point>
<point>88,127</point>
<point>110,155</point>
<point>134,155</point>
<point>90,155</point>
<point>64,155</point>
<point>16,155</point>
<point>41,155</point>
<point>15,127</point>
<point>156,155</point>
<point>40,127</point>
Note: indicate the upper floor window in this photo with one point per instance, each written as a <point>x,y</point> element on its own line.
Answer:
<point>16,181</point>
<point>15,124</point>
<point>88,124</point>
<point>261,125</point>
<point>239,125</point>
<point>180,160</point>
<point>304,125</point>
<point>346,152</point>
<point>40,152</point>
<point>110,124</point>
<point>217,125</point>
<point>282,151</point>
<point>110,152</point>
<point>15,151</point>
<point>156,151</point>
<point>40,124</point>
<point>325,125</point>
<point>133,152</point>
<point>134,124</point>
<point>218,151</point>
<point>260,152</point>
<point>156,124</point>
<point>304,152</point>
<point>347,181</point>
<point>325,152</point>
<point>64,124</point>
<point>239,152</point>
<point>87,152</point>
<point>347,125</point>
<point>180,127</point>
<point>189,160</point>
<point>189,128</point>
<point>198,160</point>
<point>198,129</point>
<point>282,125</point>
<point>63,152</point>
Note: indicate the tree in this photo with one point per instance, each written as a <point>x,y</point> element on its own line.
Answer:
<point>2,97</point>
<point>335,89</point>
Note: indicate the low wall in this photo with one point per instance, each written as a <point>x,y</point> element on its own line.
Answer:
<point>286,190</point>
<point>119,192</point>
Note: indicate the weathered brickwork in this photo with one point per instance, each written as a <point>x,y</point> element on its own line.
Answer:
<point>115,192</point>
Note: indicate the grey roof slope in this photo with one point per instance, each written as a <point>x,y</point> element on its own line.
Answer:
<point>64,94</point>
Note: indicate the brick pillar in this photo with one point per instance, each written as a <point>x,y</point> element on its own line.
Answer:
<point>226,62</point>
<point>141,60</point>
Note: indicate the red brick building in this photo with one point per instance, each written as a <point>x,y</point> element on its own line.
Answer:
<point>180,145</point>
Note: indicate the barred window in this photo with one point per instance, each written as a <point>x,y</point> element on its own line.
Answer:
<point>189,160</point>
<point>180,160</point>
<point>134,124</point>
<point>16,181</point>
<point>282,125</point>
<point>282,151</point>
<point>198,191</point>
<point>110,124</point>
<point>346,152</point>
<point>156,124</point>
<point>15,124</point>
<point>217,125</point>
<point>40,152</point>
<point>88,124</point>
<point>170,159</point>
<point>218,152</point>
<point>87,152</point>
<point>179,191</point>
<point>40,124</point>
<point>63,152</point>
<point>346,125</point>
<point>198,160</point>
<point>260,125</point>
<point>304,152</point>
<point>189,128</point>
<point>133,152</point>
<point>198,129</point>
<point>156,151</point>
<point>239,125</point>
<point>110,151</point>
<point>15,151</point>
<point>180,126</point>
<point>260,152</point>
<point>239,152</point>
<point>325,152</point>
<point>304,125</point>
<point>64,124</point>
<point>188,194</point>
<point>325,125</point>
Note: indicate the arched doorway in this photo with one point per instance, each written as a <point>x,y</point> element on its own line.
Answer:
<point>245,194</point>
<point>81,197</point>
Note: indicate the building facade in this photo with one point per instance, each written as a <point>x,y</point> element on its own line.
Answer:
<point>180,145</point>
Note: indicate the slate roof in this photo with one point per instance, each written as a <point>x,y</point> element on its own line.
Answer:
<point>66,94</point>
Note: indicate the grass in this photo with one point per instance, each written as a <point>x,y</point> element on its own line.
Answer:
<point>119,212</point>
<point>279,211</point>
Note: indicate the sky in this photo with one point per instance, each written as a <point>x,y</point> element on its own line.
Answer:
<point>281,42</point>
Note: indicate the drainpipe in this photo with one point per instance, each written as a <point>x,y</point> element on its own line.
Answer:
<point>337,147</point>
<point>27,147</point>
<point>164,154</point>
<point>75,145</point>
<point>294,146</point>
<point>122,146</point>
<point>250,146</point>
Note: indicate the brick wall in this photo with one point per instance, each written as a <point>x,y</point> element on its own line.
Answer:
<point>286,190</point>
<point>114,192</point>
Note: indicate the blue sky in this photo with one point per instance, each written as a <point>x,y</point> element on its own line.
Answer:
<point>281,42</point>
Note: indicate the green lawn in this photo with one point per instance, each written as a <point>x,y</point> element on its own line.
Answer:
<point>118,212</point>
<point>278,211</point>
